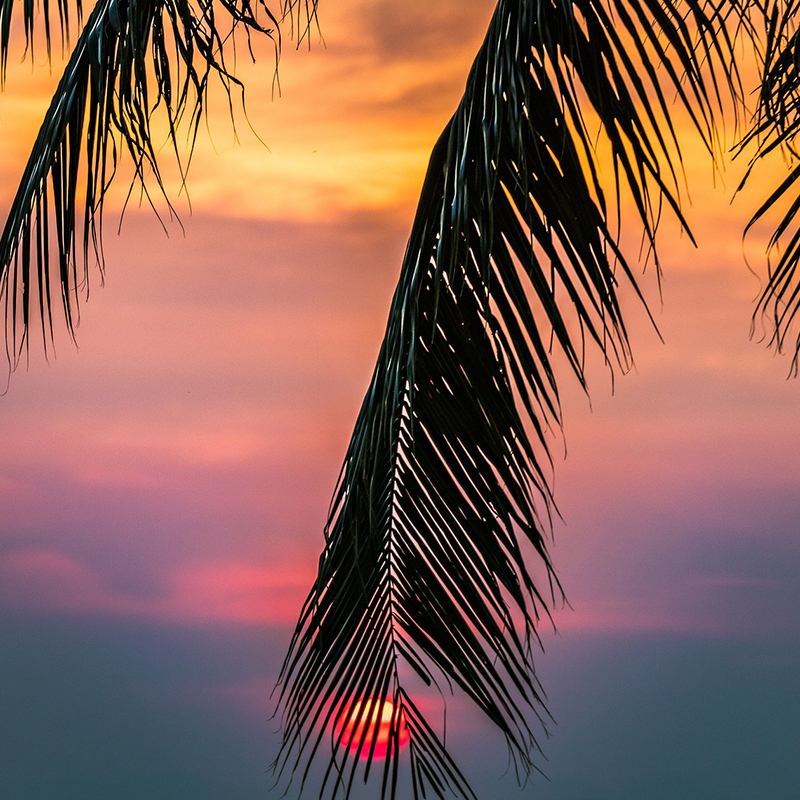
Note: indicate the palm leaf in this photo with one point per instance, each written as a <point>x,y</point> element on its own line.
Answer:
<point>30,12</point>
<point>131,59</point>
<point>445,489</point>
<point>775,127</point>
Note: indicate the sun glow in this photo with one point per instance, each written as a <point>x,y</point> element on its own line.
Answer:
<point>372,721</point>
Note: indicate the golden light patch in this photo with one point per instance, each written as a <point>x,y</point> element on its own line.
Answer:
<point>370,722</point>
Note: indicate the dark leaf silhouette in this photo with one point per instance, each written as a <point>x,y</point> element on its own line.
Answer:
<point>513,258</point>
<point>131,61</point>
<point>775,127</point>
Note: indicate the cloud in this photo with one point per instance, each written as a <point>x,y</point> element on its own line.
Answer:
<point>225,591</point>
<point>631,615</point>
<point>707,604</point>
<point>351,127</point>
<point>49,581</point>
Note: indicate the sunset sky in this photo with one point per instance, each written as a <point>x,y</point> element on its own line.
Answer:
<point>164,485</point>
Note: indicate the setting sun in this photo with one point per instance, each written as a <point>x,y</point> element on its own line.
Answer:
<point>370,714</point>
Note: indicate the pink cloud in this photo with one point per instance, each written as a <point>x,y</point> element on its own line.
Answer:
<point>225,592</point>
<point>230,592</point>
<point>708,605</point>
<point>632,615</point>
<point>48,580</point>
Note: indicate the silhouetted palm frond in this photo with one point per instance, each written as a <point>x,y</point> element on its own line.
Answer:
<point>776,127</point>
<point>513,258</point>
<point>131,60</point>
<point>31,13</point>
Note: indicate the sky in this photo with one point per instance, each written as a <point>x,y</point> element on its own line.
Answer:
<point>165,483</point>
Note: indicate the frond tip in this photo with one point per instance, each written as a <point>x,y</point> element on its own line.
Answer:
<point>131,61</point>
<point>445,496</point>
<point>776,127</point>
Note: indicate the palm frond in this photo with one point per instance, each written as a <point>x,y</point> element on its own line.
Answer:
<point>776,127</point>
<point>445,489</point>
<point>66,12</point>
<point>131,60</point>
